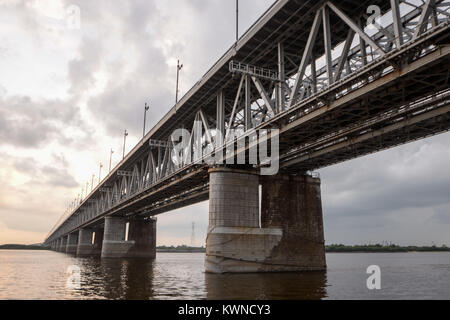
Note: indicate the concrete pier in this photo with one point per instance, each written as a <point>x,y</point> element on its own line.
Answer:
<point>114,244</point>
<point>72,243</point>
<point>143,233</point>
<point>141,241</point>
<point>87,247</point>
<point>290,237</point>
<point>235,243</point>
<point>63,244</point>
<point>98,241</point>
<point>293,203</point>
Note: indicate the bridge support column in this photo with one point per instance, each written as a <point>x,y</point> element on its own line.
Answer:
<point>293,203</point>
<point>72,243</point>
<point>85,246</point>
<point>235,242</point>
<point>141,235</point>
<point>98,242</point>
<point>114,244</point>
<point>291,234</point>
<point>63,244</point>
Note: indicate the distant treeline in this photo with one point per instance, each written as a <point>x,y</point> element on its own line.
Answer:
<point>328,248</point>
<point>22,247</point>
<point>180,249</point>
<point>383,248</point>
<point>333,248</point>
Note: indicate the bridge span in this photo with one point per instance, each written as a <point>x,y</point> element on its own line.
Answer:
<point>310,84</point>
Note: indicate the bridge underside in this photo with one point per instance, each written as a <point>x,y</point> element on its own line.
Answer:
<point>403,106</point>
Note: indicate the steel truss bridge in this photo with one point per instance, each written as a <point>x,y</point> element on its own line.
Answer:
<point>333,88</point>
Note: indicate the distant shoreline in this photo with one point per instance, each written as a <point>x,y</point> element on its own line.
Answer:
<point>334,248</point>
<point>22,247</point>
<point>378,248</point>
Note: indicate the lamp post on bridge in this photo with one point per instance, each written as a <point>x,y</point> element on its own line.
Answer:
<point>125,134</point>
<point>237,22</point>
<point>179,67</point>
<point>110,159</point>
<point>92,182</point>
<point>145,117</point>
<point>100,172</point>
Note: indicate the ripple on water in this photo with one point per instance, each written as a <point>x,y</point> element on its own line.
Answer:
<point>42,275</point>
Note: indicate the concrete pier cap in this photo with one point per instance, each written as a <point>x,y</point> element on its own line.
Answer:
<point>290,235</point>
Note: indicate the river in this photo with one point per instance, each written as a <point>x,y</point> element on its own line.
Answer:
<point>44,275</point>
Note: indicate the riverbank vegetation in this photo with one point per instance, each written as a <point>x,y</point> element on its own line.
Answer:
<point>329,248</point>
<point>384,248</point>
<point>180,249</point>
<point>22,247</point>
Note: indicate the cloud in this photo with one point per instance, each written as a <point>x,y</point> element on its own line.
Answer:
<point>32,193</point>
<point>12,236</point>
<point>29,123</point>
<point>370,193</point>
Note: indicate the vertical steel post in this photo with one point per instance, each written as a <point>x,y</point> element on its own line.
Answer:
<point>220,119</point>
<point>398,28</point>
<point>281,86</point>
<point>248,106</point>
<point>237,21</point>
<point>327,44</point>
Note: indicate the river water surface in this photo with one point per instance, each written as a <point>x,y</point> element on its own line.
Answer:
<point>44,275</point>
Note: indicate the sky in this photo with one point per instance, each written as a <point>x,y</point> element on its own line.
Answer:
<point>69,88</point>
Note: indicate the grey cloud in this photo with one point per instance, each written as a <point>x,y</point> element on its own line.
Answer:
<point>369,193</point>
<point>55,174</point>
<point>31,205</point>
<point>120,105</point>
<point>81,71</point>
<point>28,123</point>
<point>441,214</point>
<point>142,25</point>
<point>58,177</point>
